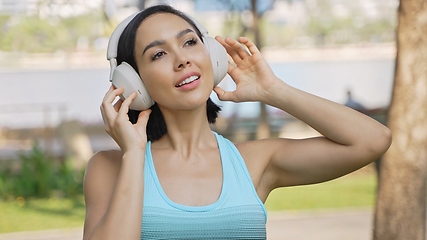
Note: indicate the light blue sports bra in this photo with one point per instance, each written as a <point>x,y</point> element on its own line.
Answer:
<point>237,214</point>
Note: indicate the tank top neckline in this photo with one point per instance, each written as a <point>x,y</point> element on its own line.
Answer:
<point>208,207</point>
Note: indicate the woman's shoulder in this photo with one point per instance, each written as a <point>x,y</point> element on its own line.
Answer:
<point>260,152</point>
<point>256,148</point>
<point>104,165</point>
<point>255,153</point>
<point>107,155</point>
<point>106,158</point>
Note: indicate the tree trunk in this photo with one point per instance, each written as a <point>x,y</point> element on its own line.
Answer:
<point>401,204</point>
<point>141,4</point>
<point>263,129</point>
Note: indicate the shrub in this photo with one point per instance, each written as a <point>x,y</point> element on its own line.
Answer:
<point>41,176</point>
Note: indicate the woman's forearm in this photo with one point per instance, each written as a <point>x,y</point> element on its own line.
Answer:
<point>123,218</point>
<point>334,121</point>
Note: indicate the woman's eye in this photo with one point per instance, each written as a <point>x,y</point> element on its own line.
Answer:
<point>190,42</point>
<point>157,55</point>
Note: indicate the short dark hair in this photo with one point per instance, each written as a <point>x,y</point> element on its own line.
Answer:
<point>156,126</point>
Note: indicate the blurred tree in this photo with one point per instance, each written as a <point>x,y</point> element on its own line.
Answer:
<point>401,205</point>
<point>141,4</point>
<point>339,22</point>
<point>263,129</point>
<point>33,34</point>
<point>257,10</point>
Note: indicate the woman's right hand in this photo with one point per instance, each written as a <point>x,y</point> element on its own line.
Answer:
<point>127,135</point>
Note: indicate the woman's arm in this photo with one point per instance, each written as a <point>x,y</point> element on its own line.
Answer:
<point>113,189</point>
<point>350,139</point>
<point>114,180</point>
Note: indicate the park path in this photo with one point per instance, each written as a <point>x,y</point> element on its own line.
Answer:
<point>350,224</point>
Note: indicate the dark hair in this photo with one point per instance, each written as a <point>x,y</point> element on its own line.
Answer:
<point>156,126</point>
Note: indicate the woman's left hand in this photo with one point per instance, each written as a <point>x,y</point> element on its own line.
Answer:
<point>251,73</point>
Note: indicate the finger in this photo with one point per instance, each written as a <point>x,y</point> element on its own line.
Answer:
<point>107,109</point>
<point>112,93</point>
<point>223,95</point>
<point>124,108</point>
<point>221,40</point>
<point>110,89</point>
<point>230,50</point>
<point>238,48</point>
<point>143,119</point>
<point>253,49</point>
<point>231,66</point>
<point>104,116</point>
<point>109,98</point>
<point>107,94</point>
<point>107,118</point>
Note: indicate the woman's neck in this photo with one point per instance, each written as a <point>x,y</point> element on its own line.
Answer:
<point>186,130</point>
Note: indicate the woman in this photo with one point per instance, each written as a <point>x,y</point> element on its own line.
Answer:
<point>187,182</point>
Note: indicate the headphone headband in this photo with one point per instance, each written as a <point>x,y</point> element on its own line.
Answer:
<point>124,75</point>
<point>115,36</point>
<point>113,43</point>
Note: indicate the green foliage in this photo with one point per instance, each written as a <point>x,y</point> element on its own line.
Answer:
<point>36,175</point>
<point>33,34</point>
<point>40,176</point>
<point>69,181</point>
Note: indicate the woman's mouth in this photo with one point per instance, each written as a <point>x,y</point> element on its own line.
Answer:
<point>188,80</point>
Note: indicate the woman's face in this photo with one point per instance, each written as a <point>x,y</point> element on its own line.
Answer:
<point>173,62</point>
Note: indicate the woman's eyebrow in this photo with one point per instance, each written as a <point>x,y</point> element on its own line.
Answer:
<point>183,32</point>
<point>153,44</point>
<point>161,42</point>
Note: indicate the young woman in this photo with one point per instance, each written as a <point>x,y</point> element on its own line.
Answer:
<point>185,181</point>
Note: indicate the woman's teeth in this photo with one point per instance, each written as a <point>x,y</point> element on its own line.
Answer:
<point>188,80</point>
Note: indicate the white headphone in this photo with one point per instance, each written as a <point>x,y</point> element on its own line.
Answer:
<point>124,74</point>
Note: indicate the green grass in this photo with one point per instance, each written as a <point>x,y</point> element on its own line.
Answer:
<point>354,190</point>
<point>38,214</point>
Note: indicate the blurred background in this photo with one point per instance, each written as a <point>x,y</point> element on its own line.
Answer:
<point>54,74</point>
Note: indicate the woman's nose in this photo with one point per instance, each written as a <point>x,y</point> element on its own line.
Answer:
<point>182,62</point>
<point>182,65</point>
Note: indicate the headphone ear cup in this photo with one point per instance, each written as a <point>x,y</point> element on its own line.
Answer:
<point>219,58</point>
<point>125,76</point>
